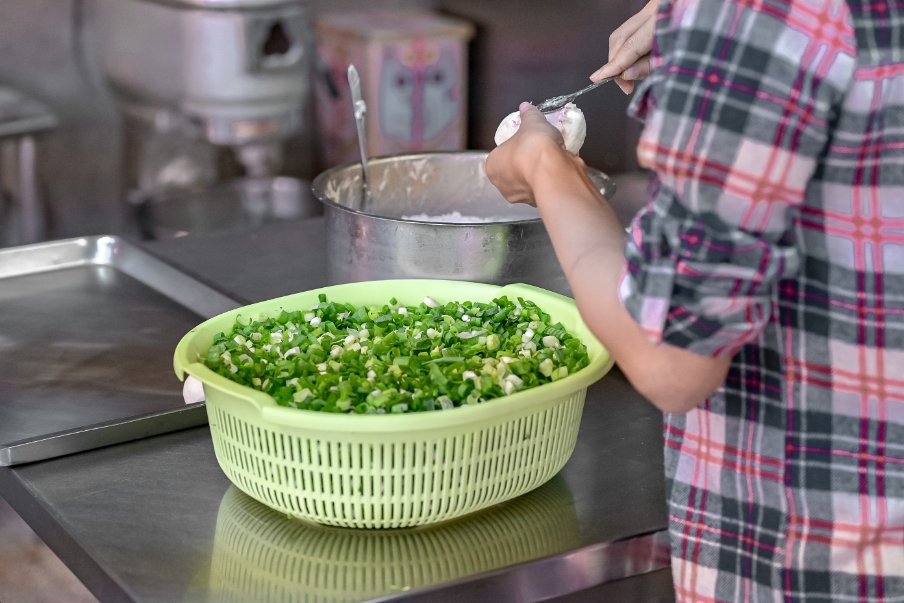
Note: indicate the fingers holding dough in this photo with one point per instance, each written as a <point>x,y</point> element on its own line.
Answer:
<point>569,120</point>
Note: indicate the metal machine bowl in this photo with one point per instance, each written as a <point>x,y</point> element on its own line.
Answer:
<point>228,205</point>
<point>402,227</point>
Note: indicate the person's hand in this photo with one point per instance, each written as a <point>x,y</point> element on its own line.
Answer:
<point>511,165</point>
<point>629,49</point>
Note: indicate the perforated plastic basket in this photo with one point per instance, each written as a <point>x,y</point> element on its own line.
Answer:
<point>391,471</point>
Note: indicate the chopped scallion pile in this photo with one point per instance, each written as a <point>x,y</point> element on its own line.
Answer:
<point>393,358</point>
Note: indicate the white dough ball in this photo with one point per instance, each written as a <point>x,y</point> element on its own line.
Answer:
<point>569,120</point>
<point>192,390</point>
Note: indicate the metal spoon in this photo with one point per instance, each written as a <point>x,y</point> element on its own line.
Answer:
<point>557,102</point>
<point>360,107</point>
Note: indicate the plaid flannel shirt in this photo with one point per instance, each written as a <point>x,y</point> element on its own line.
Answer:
<point>775,232</point>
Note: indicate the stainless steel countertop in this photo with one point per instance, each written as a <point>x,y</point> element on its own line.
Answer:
<point>156,519</point>
<point>87,329</point>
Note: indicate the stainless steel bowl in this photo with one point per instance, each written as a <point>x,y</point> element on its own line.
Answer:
<point>402,227</point>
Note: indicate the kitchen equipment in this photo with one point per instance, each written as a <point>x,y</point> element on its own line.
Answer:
<point>506,244</point>
<point>23,213</point>
<point>557,102</point>
<point>360,108</point>
<point>86,325</point>
<point>224,206</point>
<point>236,68</point>
<point>413,68</point>
<point>392,471</point>
<point>210,89</point>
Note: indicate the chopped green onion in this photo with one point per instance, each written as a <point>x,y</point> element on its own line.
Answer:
<point>393,358</point>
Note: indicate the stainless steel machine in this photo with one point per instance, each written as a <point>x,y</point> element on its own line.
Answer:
<point>23,211</point>
<point>211,91</point>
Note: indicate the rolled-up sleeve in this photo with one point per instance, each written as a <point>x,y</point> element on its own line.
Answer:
<point>736,116</point>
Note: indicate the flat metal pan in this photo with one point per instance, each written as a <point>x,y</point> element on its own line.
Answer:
<point>87,331</point>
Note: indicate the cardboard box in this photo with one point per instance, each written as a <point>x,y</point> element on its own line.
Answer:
<point>413,70</point>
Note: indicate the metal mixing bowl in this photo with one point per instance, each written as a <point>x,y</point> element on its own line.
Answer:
<point>401,228</point>
<point>228,205</point>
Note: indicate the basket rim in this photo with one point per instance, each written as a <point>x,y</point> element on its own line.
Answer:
<point>407,291</point>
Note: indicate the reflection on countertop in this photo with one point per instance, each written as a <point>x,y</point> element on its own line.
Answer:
<point>260,554</point>
<point>257,549</point>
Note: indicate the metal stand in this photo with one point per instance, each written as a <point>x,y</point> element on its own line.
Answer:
<point>23,212</point>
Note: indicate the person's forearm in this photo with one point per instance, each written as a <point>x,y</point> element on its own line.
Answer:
<point>589,243</point>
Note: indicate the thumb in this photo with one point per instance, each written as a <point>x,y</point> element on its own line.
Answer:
<point>530,112</point>
<point>538,122</point>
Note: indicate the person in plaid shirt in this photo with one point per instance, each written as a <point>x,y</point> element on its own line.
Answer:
<point>758,299</point>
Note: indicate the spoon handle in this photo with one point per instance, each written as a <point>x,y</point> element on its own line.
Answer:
<point>557,102</point>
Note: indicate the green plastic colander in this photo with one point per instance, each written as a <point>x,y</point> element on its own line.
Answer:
<point>392,471</point>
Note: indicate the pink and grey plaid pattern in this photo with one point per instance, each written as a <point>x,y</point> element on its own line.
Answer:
<point>776,232</point>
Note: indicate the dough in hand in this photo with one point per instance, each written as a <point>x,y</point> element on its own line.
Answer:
<point>569,120</point>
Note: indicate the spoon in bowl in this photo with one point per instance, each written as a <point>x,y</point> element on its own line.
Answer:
<point>360,108</point>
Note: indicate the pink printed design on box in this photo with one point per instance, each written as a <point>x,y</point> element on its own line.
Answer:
<point>420,96</point>
<point>413,81</point>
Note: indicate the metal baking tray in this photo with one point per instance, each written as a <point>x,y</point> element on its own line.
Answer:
<point>87,332</point>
